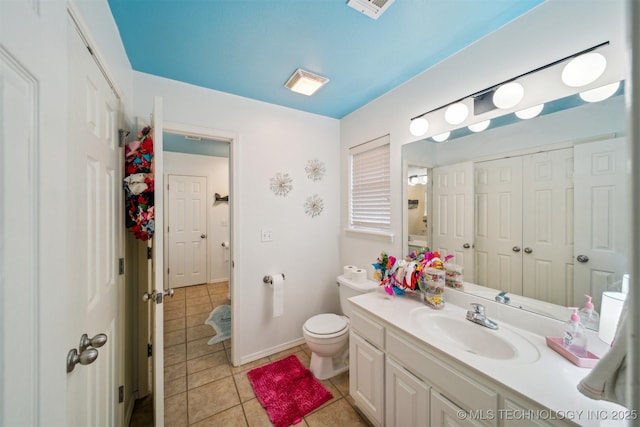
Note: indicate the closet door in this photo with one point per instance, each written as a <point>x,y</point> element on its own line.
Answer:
<point>498,224</point>
<point>602,221</point>
<point>453,212</point>
<point>547,253</point>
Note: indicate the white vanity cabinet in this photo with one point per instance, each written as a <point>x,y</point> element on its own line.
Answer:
<point>406,397</point>
<point>398,380</point>
<point>366,366</point>
<point>446,413</point>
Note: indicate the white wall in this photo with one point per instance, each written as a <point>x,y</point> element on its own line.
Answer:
<point>216,170</point>
<point>551,31</point>
<point>269,140</point>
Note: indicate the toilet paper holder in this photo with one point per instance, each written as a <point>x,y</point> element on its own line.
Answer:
<point>268,280</point>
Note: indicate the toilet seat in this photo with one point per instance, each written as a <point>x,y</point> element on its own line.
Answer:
<point>326,325</point>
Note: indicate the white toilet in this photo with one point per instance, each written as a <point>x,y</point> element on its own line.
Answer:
<point>327,335</point>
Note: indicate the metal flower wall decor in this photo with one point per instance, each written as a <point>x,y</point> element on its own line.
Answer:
<point>315,170</point>
<point>281,184</point>
<point>313,206</point>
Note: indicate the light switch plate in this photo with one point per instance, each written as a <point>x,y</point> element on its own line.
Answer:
<point>266,235</point>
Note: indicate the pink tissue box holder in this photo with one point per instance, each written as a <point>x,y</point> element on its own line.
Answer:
<point>589,361</point>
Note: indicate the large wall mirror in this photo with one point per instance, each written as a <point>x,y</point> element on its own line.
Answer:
<point>536,208</point>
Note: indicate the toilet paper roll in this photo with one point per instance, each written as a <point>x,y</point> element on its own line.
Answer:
<point>359,275</point>
<point>348,271</point>
<point>278,294</point>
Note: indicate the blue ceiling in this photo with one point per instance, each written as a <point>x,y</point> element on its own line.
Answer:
<point>251,47</point>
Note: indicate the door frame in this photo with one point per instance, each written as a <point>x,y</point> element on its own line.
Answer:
<point>232,139</point>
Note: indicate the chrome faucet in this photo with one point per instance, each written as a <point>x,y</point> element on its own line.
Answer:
<point>478,316</point>
<point>503,298</point>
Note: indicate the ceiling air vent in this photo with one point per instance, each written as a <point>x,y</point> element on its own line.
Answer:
<point>372,8</point>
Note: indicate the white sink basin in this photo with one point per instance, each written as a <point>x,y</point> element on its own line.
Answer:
<point>455,333</point>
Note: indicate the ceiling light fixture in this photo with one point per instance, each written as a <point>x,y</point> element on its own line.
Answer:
<point>530,113</point>
<point>456,113</point>
<point>508,95</point>
<point>480,126</point>
<point>600,93</point>
<point>304,82</point>
<point>584,69</point>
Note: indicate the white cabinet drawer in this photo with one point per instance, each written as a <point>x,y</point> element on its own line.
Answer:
<point>367,328</point>
<point>464,391</point>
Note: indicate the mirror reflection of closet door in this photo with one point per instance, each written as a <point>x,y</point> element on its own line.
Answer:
<point>602,221</point>
<point>547,229</point>
<point>524,225</point>
<point>498,224</point>
<point>452,231</point>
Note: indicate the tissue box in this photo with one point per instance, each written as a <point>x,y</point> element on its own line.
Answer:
<point>589,361</point>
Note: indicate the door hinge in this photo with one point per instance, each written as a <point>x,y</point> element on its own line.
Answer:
<point>149,350</point>
<point>121,266</point>
<point>122,136</point>
<point>168,270</point>
<point>149,253</point>
<point>121,394</point>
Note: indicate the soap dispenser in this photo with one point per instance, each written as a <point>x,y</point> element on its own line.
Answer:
<point>575,337</point>
<point>589,317</point>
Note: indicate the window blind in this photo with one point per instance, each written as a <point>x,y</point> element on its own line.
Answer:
<point>370,205</point>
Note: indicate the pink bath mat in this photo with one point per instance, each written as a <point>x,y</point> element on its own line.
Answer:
<point>287,390</point>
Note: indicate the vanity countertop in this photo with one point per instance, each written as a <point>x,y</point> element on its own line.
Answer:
<point>550,380</point>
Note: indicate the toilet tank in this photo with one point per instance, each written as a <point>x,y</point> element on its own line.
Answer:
<point>349,288</point>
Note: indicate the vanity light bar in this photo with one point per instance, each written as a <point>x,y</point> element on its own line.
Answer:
<point>485,96</point>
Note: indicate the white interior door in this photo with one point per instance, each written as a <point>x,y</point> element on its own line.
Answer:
<point>602,223</point>
<point>157,315</point>
<point>453,213</point>
<point>96,205</point>
<point>32,228</point>
<point>547,258</point>
<point>187,223</point>
<point>498,226</point>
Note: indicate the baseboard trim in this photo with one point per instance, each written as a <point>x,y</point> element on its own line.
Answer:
<point>270,351</point>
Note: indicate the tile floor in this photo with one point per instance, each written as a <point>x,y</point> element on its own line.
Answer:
<point>203,388</point>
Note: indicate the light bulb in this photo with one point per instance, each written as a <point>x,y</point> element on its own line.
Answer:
<point>419,126</point>
<point>600,93</point>
<point>441,137</point>
<point>456,113</point>
<point>480,126</point>
<point>508,95</point>
<point>584,69</point>
<point>530,113</point>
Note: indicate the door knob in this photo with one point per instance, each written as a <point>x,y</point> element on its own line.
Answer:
<point>466,246</point>
<point>202,236</point>
<point>168,292</point>
<point>84,358</point>
<point>528,250</point>
<point>582,258</point>
<point>516,249</point>
<point>146,297</point>
<point>95,342</point>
